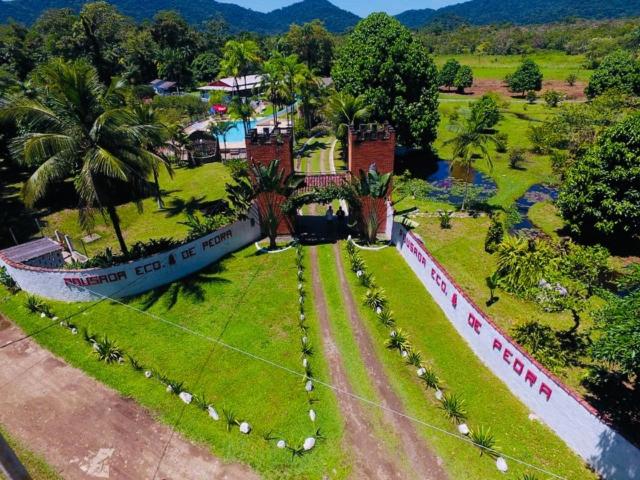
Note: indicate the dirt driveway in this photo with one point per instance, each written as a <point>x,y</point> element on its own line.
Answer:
<point>85,430</point>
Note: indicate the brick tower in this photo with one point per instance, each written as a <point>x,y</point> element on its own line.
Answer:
<point>262,149</point>
<point>373,147</point>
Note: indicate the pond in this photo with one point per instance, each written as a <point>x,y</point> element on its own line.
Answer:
<point>449,183</point>
<point>536,194</point>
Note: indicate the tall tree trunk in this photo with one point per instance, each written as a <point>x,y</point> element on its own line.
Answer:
<point>115,221</point>
<point>158,191</point>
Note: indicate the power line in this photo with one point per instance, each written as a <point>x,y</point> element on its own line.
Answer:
<point>332,387</point>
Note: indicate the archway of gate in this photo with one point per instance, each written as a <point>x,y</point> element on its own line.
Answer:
<point>308,207</point>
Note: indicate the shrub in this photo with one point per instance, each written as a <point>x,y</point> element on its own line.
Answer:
<point>37,305</point>
<point>386,318</point>
<point>531,97</point>
<point>201,226</point>
<point>495,235</point>
<point>187,105</point>
<point>502,140</point>
<point>552,98</point>
<point>7,281</point>
<point>523,263</point>
<point>486,112</point>
<point>430,378</point>
<point>398,340</point>
<point>484,440</point>
<point>571,79</point>
<point>445,218</point>
<point>517,156</point>
<point>414,358</point>
<point>453,407</point>
<point>375,299</point>
<point>542,342</point>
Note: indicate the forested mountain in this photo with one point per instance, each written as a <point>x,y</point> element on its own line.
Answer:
<point>336,19</point>
<point>196,11</point>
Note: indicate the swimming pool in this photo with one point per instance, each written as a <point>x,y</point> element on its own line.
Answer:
<point>237,134</point>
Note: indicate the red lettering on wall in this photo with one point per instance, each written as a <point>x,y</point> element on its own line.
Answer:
<point>95,280</point>
<point>496,344</point>
<point>454,300</point>
<point>545,390</point>
<point>518,366</point>
<point>530,377</point>
<point>507,355</point>
<point>474,323</point>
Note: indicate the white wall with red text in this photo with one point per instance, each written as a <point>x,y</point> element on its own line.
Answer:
<point>137,276</point>
<point>576,422</point>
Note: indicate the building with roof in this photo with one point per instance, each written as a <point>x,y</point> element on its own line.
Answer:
<point>164,87</point>
<point>232,85</point>
<point>43,252</point>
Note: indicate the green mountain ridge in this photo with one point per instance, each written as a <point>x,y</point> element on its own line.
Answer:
<point>337,20</point>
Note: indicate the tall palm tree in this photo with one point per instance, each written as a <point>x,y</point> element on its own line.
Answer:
<point>292,70</point>
<point>309,90</point>
<point>157,136</point>
<point>239,60</point>
<point>274,85</point>
<point>471,141</point>
<point>75,128</point>
<point>222,129</point>
<point>345,111</point>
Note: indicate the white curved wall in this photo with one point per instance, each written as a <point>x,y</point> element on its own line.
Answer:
<point>576,422</point>
<point>134,277</point>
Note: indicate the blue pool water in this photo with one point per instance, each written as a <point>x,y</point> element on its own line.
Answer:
<point>237,134</point>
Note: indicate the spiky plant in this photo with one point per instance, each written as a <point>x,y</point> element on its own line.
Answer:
<point>107,350</point>
<point>33,304</point>
<point>528,476</point>
<point>296,451</point>
<point>89,337</point>
<point>135,365</point>
<point>484,440</point>
<point>308,372</point>
<point>357,263</point>
<point>398,341</point>
<point>453,407</point>
<point>414,358</point>
<point>300,275</point>
<point>386,318</point>
<point>351,248</point>
<point>269,436</point>
<point>176,386</point>
<point>306,350</point>
<point>230,419</point>
<point>375,298</point>
<point>367,280</point>
<point>201,401</point>
<point>430,378</point>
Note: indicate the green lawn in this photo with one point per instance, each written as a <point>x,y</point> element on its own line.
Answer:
<point>36,466</point>
<point>240,303</point>
<point>544,215</point>
<point>554,65</point>
<point>311,156</point>
<point>487,400</point>
<point>188,189</point>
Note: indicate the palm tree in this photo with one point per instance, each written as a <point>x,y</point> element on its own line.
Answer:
<point>308,88</point>
<point>371,188</point>
<point>76,129</point>
<point>222,129</point>
<point>292,69</point>
<point>146,114</point>
<point>239,59</point>
<point>470,141</point>
<point>345,111</point>
<point>274,85</point>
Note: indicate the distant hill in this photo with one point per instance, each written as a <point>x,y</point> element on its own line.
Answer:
<point>482,12</point>
<point>339,20</point>
<point>196,11</point>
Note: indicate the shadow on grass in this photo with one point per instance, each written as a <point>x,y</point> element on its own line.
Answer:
<point>190,288</point>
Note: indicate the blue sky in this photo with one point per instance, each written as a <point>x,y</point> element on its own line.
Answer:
<point>360,7</point>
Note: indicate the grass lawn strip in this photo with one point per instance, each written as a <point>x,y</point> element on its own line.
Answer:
<point>487,400</point>
<point>36,466</point>
<point>265,324</point>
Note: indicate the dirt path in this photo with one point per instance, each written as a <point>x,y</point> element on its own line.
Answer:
<point>424,462</point>
<point>85,430</point>
<point>372,460</point>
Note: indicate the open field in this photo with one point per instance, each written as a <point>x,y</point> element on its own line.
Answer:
<point>554,65</point>
<point>487,401</point>
<point>239,303</point>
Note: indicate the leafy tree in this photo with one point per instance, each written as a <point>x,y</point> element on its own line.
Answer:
<point>586,264</point>
<point>464,78</point>
<point>77,129</point>
<point>205,67</point>
<point>619,341</point>
<point>222,129</point>
<point>139,57</point>
<point>52,35</point>
<point>381,60</point>
<point>619,70</point>
<point>448,73</point>
<point>571,79</point>
<point>14,56</point>
<point>313,45</point>
<point>522,263</point>
<point>531,97</point>
<point>527,77</point>
<point>600,194</point>
<point>495,235</point>
<point>345,111</point>
<point>486,111</point>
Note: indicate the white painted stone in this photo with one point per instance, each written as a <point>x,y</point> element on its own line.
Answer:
<point>169,389</point>
<point>213,413</point>
<point>393,333</point>
<point>301,299</point>
<point>404,353</point>
<point>308,386</point>
<point>501,464</point>
<point>305,362</point>
<point>463,428</point>
<point>55,319</point>
<point>74,331</point>
<point>245,428</point>
<point>439,394</point>
<point>359,273</point>
<point>421,371</point>
<point>186,397</point>
<point>43,315</point>
<point>302,317</point>
<point>281,444</point>
<point>148,374</point>
<point>309,443</point>
<point>304,339</point>
<point>378,310</point>
<point>312,415</point>
<point>300,286</point>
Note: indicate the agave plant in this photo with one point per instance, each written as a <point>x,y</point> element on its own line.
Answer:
<point>89,337</point>
<point>107,350</point>
<point>430,378</point>
<point>351,248</point>
<point>528,476</point>
<point>367,280</point>
<point>414,358</point>
<point>37,305</point>
<point>453,407</point>
<point>306,350</point>
<point>386,318</point>
<point>398,341</point>
<point>230,419</point>
<point>357,263</point>
<point>484,440</point>
<point>174,386</point>
<point>201,401</point>
<point>375,299</point>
